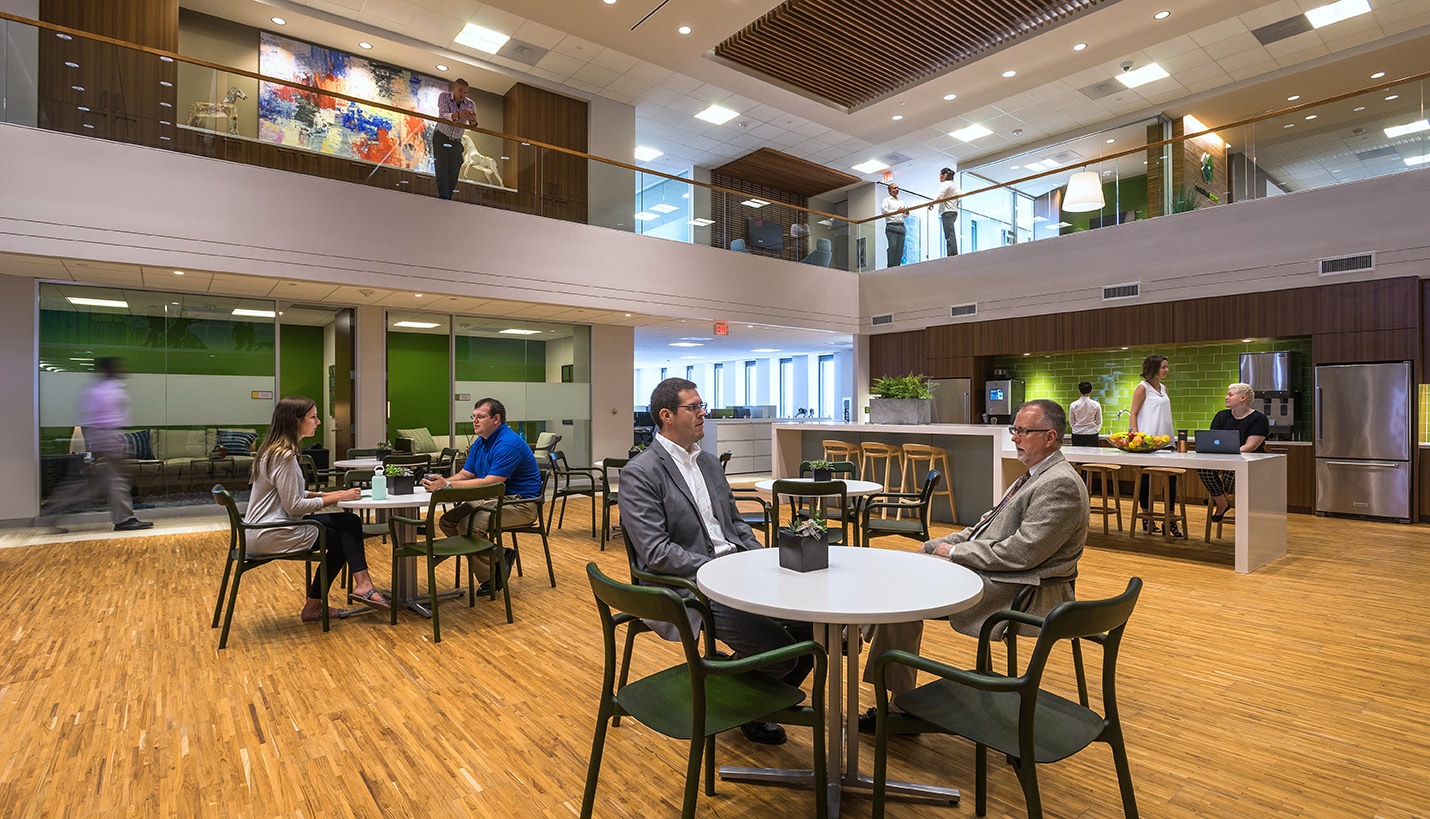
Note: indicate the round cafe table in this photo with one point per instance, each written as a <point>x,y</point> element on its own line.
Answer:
<point>854,489</point>
<point>404,582</point>
<point>860,586</point>
<point>358,463</point>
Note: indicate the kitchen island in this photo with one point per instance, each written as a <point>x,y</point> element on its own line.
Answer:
<point>983,463</point>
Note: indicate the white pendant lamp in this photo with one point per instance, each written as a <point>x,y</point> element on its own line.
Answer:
<point>1084,193</point>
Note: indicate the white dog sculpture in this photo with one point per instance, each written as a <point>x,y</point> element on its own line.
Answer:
<point>228,109</point>
<point>473,161</point>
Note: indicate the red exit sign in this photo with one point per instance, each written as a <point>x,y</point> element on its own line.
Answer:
<point>722,329</point>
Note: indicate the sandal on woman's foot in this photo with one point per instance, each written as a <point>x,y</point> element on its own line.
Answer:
<point>1176,530</point>
<point>310,619</point>
<point>372,597</point>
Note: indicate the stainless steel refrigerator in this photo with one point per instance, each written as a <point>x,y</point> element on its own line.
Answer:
<point>952,400</point>
<point>1364,440</point>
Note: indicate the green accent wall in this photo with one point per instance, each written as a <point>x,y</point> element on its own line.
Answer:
<point>300,365</point>
<point>1425,413</point>
<point>1196,383</point>
<point>417,384</point>
<point>500,359</point>
<point>156,344</point>
<point>1121,195</point>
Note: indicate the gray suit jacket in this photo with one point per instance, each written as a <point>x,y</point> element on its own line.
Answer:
<point>661,520</point>
<point>1038,535</point>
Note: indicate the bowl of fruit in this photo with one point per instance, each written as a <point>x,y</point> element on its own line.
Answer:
<point>1128,442</point>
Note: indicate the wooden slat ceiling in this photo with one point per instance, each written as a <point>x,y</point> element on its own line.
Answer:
<point>787,173</point>
<point>854,53</point>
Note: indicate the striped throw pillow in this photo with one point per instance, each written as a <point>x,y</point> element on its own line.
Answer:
<point>237,441</point>
<point>136,446</point>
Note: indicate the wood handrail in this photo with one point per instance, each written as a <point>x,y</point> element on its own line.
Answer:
<point>855,222</point>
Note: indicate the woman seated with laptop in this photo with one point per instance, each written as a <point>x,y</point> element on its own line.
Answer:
<point>1252,426</point>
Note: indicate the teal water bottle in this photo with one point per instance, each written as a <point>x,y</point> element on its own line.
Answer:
<point>379,486</point>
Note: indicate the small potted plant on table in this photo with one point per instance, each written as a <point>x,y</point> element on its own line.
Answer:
<point>400,479</point>
<point>384,448</point>
<point>821,470</point>
<point>804,547</point>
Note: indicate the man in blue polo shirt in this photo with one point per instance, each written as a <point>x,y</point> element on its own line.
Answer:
<point>498,456</point>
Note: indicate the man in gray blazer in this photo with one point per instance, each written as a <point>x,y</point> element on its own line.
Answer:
<point>679,513</point>
<point>1033,535</point>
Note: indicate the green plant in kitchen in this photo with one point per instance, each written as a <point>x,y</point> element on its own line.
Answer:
<point>903,386</point>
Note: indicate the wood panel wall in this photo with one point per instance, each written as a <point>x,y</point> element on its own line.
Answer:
<point>731,218</point>
<point>124,90</point>
<point>552,184</point>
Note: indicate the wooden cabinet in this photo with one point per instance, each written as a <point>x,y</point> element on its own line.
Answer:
<point>1300,475</point>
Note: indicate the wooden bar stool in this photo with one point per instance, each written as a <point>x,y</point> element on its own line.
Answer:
<point>1107,473</point>
<point>836,451</point>
<point>1158,477</point>
<point>931,457</point>
<point>1227,518</point>
<point>892,459</point>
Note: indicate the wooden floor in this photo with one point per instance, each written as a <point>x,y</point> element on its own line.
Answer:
<point>1297,691</point>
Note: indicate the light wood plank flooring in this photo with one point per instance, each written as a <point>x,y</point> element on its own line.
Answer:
<point>1297,691</point>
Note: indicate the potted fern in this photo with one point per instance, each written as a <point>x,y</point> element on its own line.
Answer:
<point>901,399</point>
<point>804,546</point>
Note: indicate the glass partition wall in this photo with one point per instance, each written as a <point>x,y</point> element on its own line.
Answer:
<point>200,373</point>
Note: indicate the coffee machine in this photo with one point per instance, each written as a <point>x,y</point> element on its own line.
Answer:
<point>1003,397</point>
<point>1273,377</point>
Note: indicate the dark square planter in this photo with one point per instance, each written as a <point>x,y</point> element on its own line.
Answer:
<point>822,475</point>
<point>383,453</point>
<point>803,554</point>
<point>400,485</point>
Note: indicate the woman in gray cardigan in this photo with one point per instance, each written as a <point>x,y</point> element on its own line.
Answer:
<point>279,493</point>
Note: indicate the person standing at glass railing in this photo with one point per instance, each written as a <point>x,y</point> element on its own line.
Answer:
<point>948,211</point>
<point>894,225</point>
<point>452,104</point>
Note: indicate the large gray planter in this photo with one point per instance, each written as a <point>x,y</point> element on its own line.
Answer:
<point>900,411</point>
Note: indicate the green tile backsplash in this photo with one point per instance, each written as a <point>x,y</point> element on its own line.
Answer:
<point>1425,413</point>
<point>1197,381</point>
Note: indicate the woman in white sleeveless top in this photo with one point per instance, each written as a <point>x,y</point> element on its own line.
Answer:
<point>1152,415</point>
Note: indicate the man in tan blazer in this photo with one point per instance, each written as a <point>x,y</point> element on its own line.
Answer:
<point>1035,533</point>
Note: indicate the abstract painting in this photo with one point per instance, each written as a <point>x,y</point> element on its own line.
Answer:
<point>335,126</point>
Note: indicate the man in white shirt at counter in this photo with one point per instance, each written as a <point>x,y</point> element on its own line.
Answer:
<point>1085,414</point>
<point>894,225</point>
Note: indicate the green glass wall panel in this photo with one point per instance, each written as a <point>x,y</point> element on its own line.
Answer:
<point>417,382</point>
<point>500,359</point>
<point>1197,382</point>
<point>1120,196</point>
<point>159,344</point>
<point>300,365</point>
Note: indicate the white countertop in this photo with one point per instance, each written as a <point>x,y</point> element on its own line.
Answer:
<point>993,430</point>
<point>1165,457</point>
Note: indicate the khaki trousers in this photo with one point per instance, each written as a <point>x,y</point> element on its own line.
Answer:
<point>513,513</point>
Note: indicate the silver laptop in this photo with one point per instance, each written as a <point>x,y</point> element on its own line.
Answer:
<point>1226,441</point>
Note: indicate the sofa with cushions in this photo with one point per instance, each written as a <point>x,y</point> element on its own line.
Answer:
<point>162,458</point>
<point>424,443</point>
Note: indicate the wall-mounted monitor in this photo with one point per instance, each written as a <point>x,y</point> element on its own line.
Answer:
<point>768,235</point>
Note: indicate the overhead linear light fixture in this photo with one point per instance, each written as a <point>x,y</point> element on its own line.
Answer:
<point>717,114</point>
<point>1412,161</point>
<point>1084,193</point>
<point>645,216</point>
<point>516,331</point>
<point>1392,97</point>
<point>1141,76</point>
<point>686,344</point>
<point>754,203</point>
<point>972,132</point>
<point>664,208</point>
<point>83,302</point>
<point>871,166</point>
<point>765,350</point>
<point>1336,12</point>
<point>645,154</point>
<point>481,38</point>
<point>700,221</point>
<point>416,325</point>
<point>1410,128</point>
<point>244,311</point>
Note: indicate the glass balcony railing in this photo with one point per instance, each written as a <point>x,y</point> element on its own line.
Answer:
<point>63,80</point>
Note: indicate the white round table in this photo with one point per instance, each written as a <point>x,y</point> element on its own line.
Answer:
<point>860,586</point>
<point>853,488</point>
<point>404,584</point>
<point>358,463</point>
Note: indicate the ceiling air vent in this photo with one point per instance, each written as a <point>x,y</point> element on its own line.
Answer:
<point>1130,290</point>
<point>963,310</point>
<point>1347,264</point>
<point>887,318</point>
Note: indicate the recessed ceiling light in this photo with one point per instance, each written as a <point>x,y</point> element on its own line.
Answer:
<point>1417,160</point>
<point>513,331</point>
<point>684,29</point>
<point>1110,141</point>
<point>691,357</point>
<point>897,117</point>
<point>644,154</point>
<point>1377,75</point>
<point>664,208</point>
<point>364,44</point>
<point>1247,340</point>
<point>1293,98</point>
<point>441,67</point>
<point>754,203</point>
<point>95,302</point>
<point>1310,116</point>
<point>1336,12</point>
<point>77,87</point>
<point>63,36</point>
<point>700,221</point>
<point>1143,75</point>
<point>1161,15</point>
<point>971,133</point>
<point>1392,97</point>
<point>1360,108</point>
<point>166,105</point>
<point>717,114</point>
<point>243,311</point>
<point>1014,167</point>
<point>178,272</point>
<point>481,38</point>
<point>645,216</point>
<point>417,325</point>
<point>1289,125</point>
<point>685,344</point>
<point>609,2</point>
<point>628,315</point>
<point>1411,128</point>
<point>417,295</point>
<point>278,21</point>
<point>948,97</point>
<point>698,338</point>
<point>71,65</point>
<point>871,166</point>
<point>1079,46</point>
<point>87,125</point>
<point>1009,74</point>
<point>766,350</point>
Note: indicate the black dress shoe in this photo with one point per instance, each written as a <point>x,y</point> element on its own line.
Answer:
<point>868,721</point>
<point>133,524</point>
<point>765,733</point>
